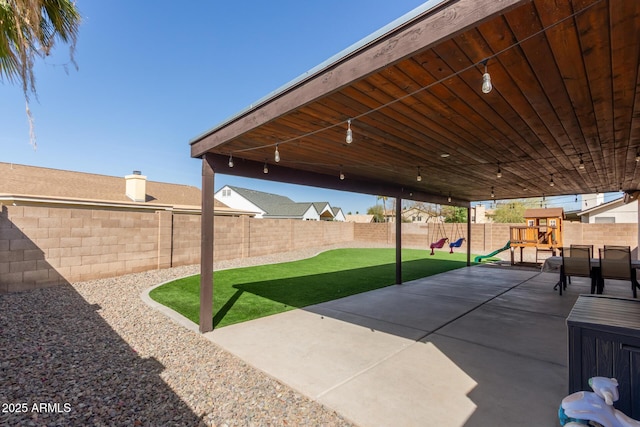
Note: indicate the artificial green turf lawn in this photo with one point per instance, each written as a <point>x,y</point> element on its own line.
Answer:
<point>248,293</point>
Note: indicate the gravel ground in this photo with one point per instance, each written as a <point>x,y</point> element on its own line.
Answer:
<point>92,353</point>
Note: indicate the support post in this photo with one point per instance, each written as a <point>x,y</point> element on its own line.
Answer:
<point>468,235</point>
<point>398,241</point>
<point>206,248</point>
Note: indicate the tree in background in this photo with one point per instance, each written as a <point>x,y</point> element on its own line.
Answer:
<point>377,212</point>
<point>511,212</point>
<point>30,29</point>
<point>454,214</point>
<point>384,206</point>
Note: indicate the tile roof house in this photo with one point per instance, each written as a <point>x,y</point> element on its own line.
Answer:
<point>269,205</point>
<point>32,185</point>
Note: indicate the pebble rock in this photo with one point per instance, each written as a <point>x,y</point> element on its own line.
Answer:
<point>93,353</point>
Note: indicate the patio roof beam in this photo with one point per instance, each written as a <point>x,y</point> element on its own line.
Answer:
<point>253,169</point>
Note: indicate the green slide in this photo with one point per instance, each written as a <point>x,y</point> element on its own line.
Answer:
<point>504,248</point>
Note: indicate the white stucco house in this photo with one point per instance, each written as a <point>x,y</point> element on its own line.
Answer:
<point>269,205</point>
<point>613,212</point>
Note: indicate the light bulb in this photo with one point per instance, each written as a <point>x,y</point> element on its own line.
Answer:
<point>449,198</point>
<point>349,138</point>
<point>493,194</point>
<point>499,174</point>
<point>486,82</point>
<point>419,177</point>
<point>276,157</point>
<point>341,176</point>
<point>551,183</point>
<point>265,169</point>
<point>230,161</point>
<point>581,165</point>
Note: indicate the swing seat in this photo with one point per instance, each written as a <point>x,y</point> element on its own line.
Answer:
<point>439,244</point>
<point>455,244</point>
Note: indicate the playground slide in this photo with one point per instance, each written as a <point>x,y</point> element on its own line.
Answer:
<point>504,248</point>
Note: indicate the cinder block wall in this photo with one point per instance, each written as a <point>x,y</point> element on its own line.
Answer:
<point>486,238</point>
<point>45,246</point>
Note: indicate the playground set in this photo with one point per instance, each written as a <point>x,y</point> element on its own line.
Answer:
<point>542,231</point>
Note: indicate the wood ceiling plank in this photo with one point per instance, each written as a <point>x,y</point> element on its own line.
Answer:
<point>625,52</point>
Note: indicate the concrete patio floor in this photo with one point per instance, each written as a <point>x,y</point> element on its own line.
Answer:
<point>478,346</point>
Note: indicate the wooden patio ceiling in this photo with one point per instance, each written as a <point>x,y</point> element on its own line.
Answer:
<point>565,89</point>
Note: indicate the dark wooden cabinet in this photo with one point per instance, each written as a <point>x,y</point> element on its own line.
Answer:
<point>604,340</point>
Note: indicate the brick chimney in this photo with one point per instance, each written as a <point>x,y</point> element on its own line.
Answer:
<point>136,186</point>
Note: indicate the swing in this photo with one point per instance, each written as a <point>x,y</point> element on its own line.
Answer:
<point>458,242</point>
<point>439,243</point>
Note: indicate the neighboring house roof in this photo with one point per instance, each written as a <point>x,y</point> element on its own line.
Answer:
<point>265,201</point>
<point>48,185</point>
<point>277,206</point>
<point>359,218</point>
<point>289,210</point>
<point>603,206</point>
<point>336,210</point>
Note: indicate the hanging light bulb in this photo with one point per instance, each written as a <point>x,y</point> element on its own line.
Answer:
<point>638,156</point>
<point>418,177</point>
<point>231,161</point>
<point>499,174</point>
<point>486,79</point>
<point>265,169</point>
<point>276,156</point>
<point>341,175</point>
<point>581,164</point>
<point>551,183</point>
<point>349,138</point>
<point>493,194</point>
<point>449,198</point>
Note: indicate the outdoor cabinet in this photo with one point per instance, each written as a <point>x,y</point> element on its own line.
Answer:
<point>604,340</point>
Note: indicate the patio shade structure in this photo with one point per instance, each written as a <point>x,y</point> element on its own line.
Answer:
<point>561,118</point>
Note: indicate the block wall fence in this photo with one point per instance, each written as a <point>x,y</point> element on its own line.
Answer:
<point>45,246</point>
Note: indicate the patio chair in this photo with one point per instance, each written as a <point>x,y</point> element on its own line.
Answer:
<point>576,261</point>
<point>615,263</point>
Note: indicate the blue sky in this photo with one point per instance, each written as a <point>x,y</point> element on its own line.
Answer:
<point>155,74</point>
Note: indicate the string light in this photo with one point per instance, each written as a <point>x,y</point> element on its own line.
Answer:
<point>486,79</point>
<point>551,183</point>
<point>231,161</point>
<point>276,156</point>
<point>493,194</point>
<point>499,174</point>
<point>638,156</point>
<point>341,175</point>
<point>581,164</point>
<point>265,169</point>
<point>349,138</point>
<point>449,198</point>
<point>419,177</point>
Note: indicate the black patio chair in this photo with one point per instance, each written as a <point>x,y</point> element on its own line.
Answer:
<point>615,263</point>
<point>576,261</point>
